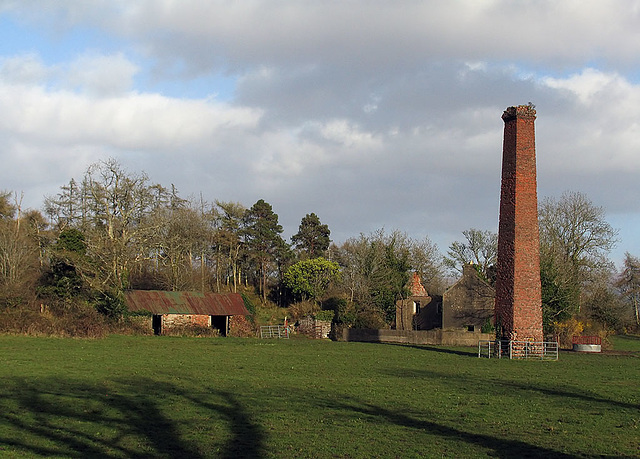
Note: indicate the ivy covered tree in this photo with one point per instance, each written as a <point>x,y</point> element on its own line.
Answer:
<point>629,284</point>
<point>7,210</point>
<point>310,278</point>
<point>68,263</point>
<point>312,239</point>
<point>559,299</point>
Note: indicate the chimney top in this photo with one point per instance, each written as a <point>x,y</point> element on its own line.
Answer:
<point>415,286</point>
<point>520,111</point>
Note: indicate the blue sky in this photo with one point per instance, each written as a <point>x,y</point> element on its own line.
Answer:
<point>55,47</point>
<point>370,114</point>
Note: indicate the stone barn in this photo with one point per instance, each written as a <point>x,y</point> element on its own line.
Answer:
<point>186,308</point>
<point>469,302</point>
<point>420,311</point>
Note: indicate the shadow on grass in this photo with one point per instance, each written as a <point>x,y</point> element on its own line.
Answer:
<point>502,448</point>
<point>499,387</point>
<point>56,417</point>
<point>472,352</point>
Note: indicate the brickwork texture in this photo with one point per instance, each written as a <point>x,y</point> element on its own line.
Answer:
<point>518,305</point>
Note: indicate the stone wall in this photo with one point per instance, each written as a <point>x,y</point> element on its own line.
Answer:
<point>181,320</point>
<point>426,337</point>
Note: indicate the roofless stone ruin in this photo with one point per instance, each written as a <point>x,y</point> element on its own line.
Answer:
<point>518,306</point>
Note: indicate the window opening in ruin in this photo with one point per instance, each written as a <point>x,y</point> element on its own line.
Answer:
<point>470,328</point>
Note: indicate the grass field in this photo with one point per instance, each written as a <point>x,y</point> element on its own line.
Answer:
<point>222,397</point>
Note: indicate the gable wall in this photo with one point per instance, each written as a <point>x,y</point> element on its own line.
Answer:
<point>469,302</point>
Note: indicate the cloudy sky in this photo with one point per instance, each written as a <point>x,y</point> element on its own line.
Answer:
<point>372,114</point>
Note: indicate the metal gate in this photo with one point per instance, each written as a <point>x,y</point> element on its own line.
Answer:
<point>274,331</point>
<point>525,350</point>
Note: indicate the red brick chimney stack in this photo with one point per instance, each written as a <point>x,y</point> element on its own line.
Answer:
<point>518,306</point>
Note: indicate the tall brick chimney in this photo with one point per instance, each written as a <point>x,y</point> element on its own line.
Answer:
<point>518,307</point>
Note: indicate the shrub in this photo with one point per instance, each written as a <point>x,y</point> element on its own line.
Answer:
<point>82,323</point>
<point>76,322</point>
<point>133,325</point>
<point>302,309</point>
<point>24,321</point>
<point>326,316</point>
<point>566,330</point>
<point>487,326</point>
<point>110,304</point>
<point>241,326</point>
<point>369,319</point>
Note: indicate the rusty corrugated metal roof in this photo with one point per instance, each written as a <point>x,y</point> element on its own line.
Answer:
<point>165,302</point>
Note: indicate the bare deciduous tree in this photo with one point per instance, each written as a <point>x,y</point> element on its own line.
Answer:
<point>480,248</point>
<point>575,232</point>
<point>575,240</point>
<point>228,241</point>
<point>19,253</point>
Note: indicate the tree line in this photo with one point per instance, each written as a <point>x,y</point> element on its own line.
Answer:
<point>113,230</point>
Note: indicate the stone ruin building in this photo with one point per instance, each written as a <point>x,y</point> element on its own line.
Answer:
<point>419,311</point>
<point>465,306</point>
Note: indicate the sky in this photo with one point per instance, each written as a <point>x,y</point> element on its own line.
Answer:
<point>371,114</point>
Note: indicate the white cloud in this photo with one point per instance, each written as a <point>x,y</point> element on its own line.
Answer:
<point>596,129</point>
<point>361,35</point>
<point>344,133</point>
<point>23,69</point>
<point>587,85</point>
<point>101,75</point>
<point>372,34</point>
<point>131,121</point>
<point>93,74</point>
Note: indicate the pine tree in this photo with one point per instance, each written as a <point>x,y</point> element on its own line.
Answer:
<point>312,239</point>
<point>263,241</point>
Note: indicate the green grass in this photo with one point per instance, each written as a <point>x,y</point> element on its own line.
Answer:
<point>629,343</point>
<point>188,397</point>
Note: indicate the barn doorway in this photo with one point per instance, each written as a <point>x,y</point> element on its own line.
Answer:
<point>156,323</point>
<point>220,323</point>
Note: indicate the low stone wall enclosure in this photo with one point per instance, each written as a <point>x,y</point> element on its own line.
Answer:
<point>430,337</point>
